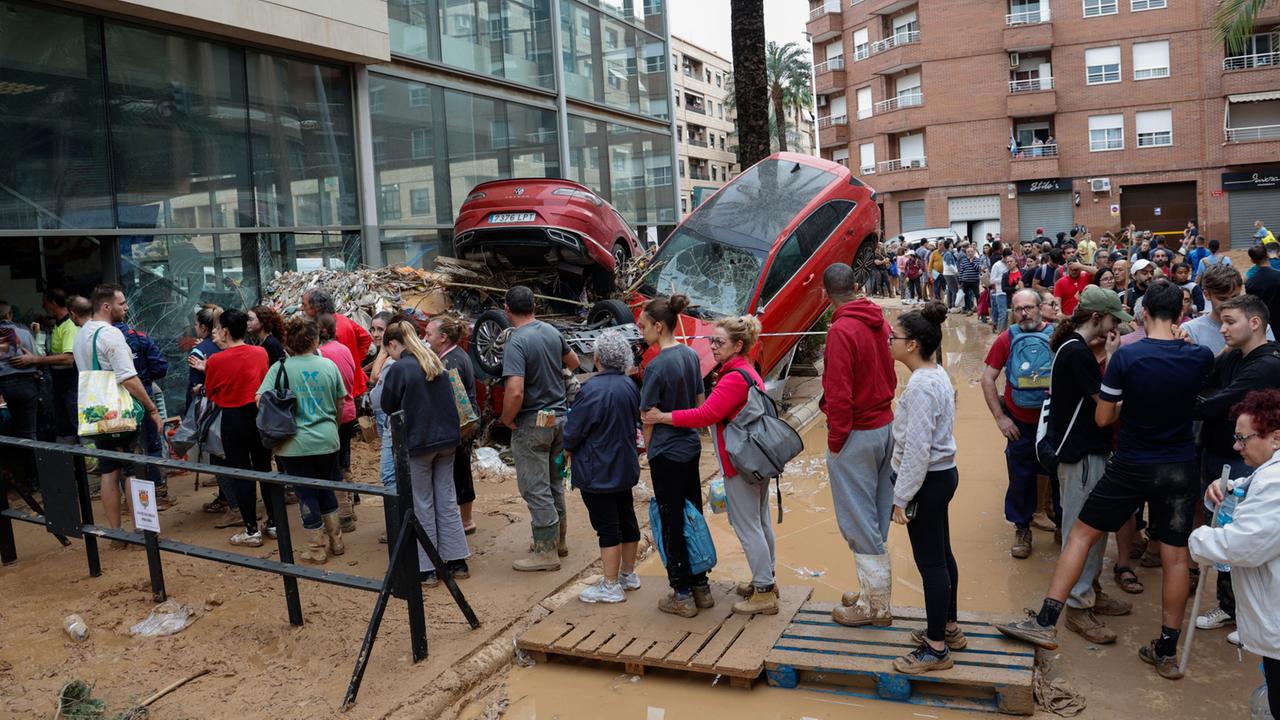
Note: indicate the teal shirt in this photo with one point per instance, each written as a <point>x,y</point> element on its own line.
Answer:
<point>316,383</point>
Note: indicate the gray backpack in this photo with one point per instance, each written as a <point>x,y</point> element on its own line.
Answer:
<point>760,443</point>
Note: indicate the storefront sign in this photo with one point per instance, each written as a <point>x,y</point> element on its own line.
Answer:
<point>1268,178</point>
<point>1049,185</point>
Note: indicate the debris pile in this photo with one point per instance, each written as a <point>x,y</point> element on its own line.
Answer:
<point>360,294</point>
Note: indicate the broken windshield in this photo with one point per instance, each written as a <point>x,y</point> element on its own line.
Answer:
<point>716,256</point>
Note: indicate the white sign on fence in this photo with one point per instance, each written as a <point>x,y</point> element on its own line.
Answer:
<point>145,514</point>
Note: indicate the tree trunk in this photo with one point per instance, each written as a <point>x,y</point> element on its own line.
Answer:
<point>750,81</point>
<point>780,112</point>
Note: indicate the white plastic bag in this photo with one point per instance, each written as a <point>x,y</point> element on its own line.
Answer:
<point>168,618</point>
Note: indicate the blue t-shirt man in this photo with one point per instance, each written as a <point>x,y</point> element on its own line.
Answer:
<point>1155,423</point>
<point>1194,257</point>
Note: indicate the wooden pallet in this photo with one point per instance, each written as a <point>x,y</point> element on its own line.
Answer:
<point>815,653</point>
<point>638,636</point>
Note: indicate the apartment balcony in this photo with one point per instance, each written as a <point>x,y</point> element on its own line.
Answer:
<point>1035,162</point>
<point>900,164</point>
<point>833,130</point>
<point>1253,146</point>
<point>699,174</point>
<point>909,100</point>
<point>828,77</point>
<point>896,53</point>
<point>699,109</point>
<point>897,175</point>
<point>696,142</point>
<point>1031,97</point>
<point>907,37</point>
<point>899,114</point>
<point>1257,133</point>
<point>826,21</point>
<point>1027,31</point>
<point>1251,73</point>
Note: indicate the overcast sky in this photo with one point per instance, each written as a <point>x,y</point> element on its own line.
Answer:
<point>706,22</point>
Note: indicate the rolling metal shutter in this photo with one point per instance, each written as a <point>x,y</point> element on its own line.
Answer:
<point>1250,205</point>
<point>1051,211</point>
<point>911,215</point>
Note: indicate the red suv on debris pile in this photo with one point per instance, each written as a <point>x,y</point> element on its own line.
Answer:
<point>759,246</point>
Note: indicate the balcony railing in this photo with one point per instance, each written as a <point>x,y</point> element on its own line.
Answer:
<point>835,63</point>
<point>1027,17</point>
<point>893,41</point>
<point>1031,152</point>
<point>697,143</point>
<point>1258,132</point>
<point>1032,85</point>
<point>888,166</point>
<point>827,7</point>
<point>696,175</point>
<point>1249,62</point>
<point>832,121</point>
<point>695,108</point>
<point>902,101</point>
<point>861,52</point>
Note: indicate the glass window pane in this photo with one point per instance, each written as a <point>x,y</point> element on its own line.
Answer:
<point>53,159</point>
<point>304,169</point>
<point>641,185</point>
<point>493,139</point>
<point>510,39</point>
<point>178,120</point>
<point>409,133</point>
<point>612,62</point>
<point>416,248</point>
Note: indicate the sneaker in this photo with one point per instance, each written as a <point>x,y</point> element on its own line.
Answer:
<point>1021,547</point>
<point>1166,665</point>
<point>271,532</point>
<point>215,506</point>
<point>676,604</point>
<point>458,569</point>
<point>230,518</point>
<point>955,639</point>
<point>923,659</point>
<point>1233,638</point>
<point>245,539</point>
<point>1086,624</point>
<point>428,578</point>
<point>603,592</point>
<point>1030,630</point>
<point>1214,619</point>
<point>702,597</point>
<point>629,581</point>
<point>1108,606</point>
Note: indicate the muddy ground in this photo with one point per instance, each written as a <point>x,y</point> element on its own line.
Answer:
<point>262,667</point>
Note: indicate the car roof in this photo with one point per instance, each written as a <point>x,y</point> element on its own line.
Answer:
<point>927,234</point>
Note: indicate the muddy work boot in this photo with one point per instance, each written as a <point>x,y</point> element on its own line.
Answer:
<point>333,532</point>
<point>1086,624</point>
<point>346,512</point>
<point>542,554</point>
<point>761,602</point>
<point>702,597</point>
<point>316,550</point>
<point>871,602</point>
<point>955,639</point>
<point>924,659</point>
<point>744,589</point>
<point>1166,665</point>
<point>1031,631</point>
<point>1109,606</point>
<point>1021,547</point>
<point>679,604</point>
<point>562,545</point>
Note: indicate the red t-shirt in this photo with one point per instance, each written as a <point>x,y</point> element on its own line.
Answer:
<point>998,358</point>
<point>339,355</point>
<point>1068,289</point>
<point>232,376</point>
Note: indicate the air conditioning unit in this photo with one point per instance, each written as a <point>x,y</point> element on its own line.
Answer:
<point>822,101</point>
<point>1014,60</point>
<point>1100,184</point>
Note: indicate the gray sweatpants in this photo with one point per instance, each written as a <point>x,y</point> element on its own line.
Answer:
<point>436,506</point>
<point>1078,480</point>
<point>749,516</point>
<point>535,450</point>
<point>862,488</point>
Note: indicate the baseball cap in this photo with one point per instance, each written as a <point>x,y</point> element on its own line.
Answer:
<point>1141,265</point>
<point>1101,300</point>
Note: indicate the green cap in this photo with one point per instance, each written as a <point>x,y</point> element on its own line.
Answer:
<point>1101,300</point>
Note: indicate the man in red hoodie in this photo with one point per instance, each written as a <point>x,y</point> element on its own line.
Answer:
<point>858,382</point>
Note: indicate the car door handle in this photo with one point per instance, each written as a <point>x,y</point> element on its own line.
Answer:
<point>807,280</point>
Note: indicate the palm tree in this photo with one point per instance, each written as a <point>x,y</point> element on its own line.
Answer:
<point>786,65</point>
<point>751,81</point>
<point>1235,19</point>
<point>800,96</point>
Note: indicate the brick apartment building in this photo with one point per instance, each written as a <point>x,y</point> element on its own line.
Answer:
<point>1123,111</point>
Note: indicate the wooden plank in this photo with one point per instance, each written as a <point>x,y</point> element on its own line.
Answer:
<point>690,647</point>
<point>912,613</point>
<point>636,649</point>
<point>543,634</point>
<point>571,639</point>
<point>746,655</point>
<point>615,645</point>
<point>815,655</point>
<point>660,650</point>
<point>591,645</point>
<point>998,650</point>
<point>727,633</point>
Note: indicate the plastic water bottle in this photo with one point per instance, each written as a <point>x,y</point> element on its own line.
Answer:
<point>75,627</point>
<point>1259,705</point>
<point>1226,510</point>
<point>716,497</point>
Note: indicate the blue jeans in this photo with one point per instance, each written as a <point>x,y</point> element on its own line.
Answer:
<point>1020,459</point>
<point>386,460</point>
<point>313,504</point>
<point>999,311</point>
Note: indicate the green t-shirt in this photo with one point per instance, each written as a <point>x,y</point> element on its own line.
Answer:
<point>318,386</point>
<point>64,336</point>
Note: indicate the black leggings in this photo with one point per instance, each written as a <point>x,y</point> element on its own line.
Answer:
<point>464,485</point>
<point>674,482</point>
<point>930,533</point>
<point>1271,668</point>
<point>244,450</point>
<point>613,517</point>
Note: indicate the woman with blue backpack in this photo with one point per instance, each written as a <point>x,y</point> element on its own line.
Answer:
<point>599,440</point>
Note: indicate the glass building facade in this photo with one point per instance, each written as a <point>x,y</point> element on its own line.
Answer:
<point>192,168</point>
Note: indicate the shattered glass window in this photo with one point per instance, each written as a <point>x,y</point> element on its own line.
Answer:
<point>716,256</point>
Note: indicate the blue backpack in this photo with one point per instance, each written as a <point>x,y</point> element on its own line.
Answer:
<point>697,538</point>
<point>1030,366</point>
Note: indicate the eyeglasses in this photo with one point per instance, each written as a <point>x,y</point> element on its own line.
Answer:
<point>1050,303</point>
<point>897,337</point>
<point>1025,308</point>
<point>718,342</point>
<point>1242,439</point>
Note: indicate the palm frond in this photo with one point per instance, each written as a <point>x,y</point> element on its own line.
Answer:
<point>1234,21</point>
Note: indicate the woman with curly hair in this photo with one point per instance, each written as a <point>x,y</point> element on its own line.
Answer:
<point>266,329</point>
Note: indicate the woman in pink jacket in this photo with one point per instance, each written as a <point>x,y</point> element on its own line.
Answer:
<point>748,502</point>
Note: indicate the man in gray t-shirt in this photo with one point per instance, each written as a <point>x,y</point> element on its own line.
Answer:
<point>533,407</point>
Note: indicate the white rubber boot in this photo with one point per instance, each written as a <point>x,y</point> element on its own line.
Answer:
<point>871,605</point>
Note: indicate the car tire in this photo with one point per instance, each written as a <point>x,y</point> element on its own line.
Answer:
<point>620,253</point>
<point>486,341</point>
<point>611,313</point>
<point>863,261</point>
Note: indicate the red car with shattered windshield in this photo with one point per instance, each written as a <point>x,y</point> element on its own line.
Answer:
<point>759,247</point>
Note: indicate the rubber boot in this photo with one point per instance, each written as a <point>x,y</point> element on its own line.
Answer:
<point>346,512</point>
<point>562,547</point>
<point>333,531</point>
<point>543,554</point>
<point>871,606</point>
<point>316,551</point>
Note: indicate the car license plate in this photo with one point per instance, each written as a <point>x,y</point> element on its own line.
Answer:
<point>501,218</point>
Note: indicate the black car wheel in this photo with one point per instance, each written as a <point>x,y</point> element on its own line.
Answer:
<point>608,313</point>
<point>487,340</point>
<point>864,261</point>
<point>620,254</point>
